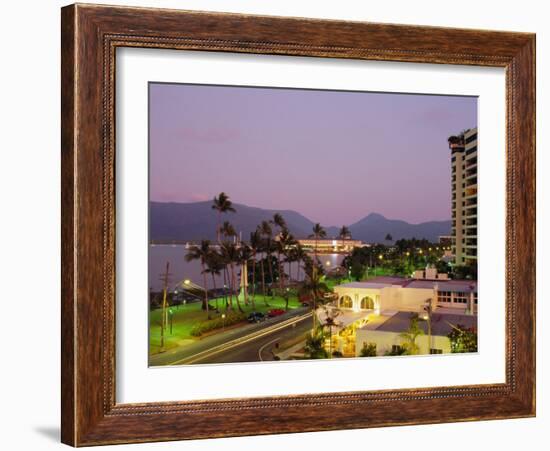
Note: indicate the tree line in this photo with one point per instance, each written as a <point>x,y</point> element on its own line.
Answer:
<point>268,249</point>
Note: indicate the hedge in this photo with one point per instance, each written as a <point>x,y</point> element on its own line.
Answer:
<point>201,328</point>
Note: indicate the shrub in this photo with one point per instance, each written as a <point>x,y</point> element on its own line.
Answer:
<point>368,350</point>
<point>217,323</point>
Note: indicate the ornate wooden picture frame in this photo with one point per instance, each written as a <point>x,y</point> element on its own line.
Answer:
<point>90,37</point>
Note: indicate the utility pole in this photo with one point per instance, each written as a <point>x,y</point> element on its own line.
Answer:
<point>164,320</point>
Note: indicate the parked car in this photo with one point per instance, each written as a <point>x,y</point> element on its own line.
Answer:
<point>256,317</point>
<point>275,312</point>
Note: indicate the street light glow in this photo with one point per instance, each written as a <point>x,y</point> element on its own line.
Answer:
<point>186,282</point>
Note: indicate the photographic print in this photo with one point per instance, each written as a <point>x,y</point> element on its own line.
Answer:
<point>296,224</point>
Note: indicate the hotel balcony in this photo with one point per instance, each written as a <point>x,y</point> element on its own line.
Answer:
<point>470,192</point>
<point>472,162</point>
<point>470,182</point>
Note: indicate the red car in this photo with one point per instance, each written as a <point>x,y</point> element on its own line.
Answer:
<point>275,312</point>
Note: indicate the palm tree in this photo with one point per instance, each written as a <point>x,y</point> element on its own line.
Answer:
<point>284,247</point>
<point>290,257</point>
<point>221,204</point>
<point>267,232</point>
<point>344,233</point>
<point>300,255</point>
<point>261,248</point>
<point>313,284</point>
<point>410,336</point>
<point>330,322</point>
<point>214,266</point>
<point>231,256</point>
<point>255,245</point>
<point>318,232</point>
<point>245,254</point>
<point>227,230</point>
<point>279,221</point>
<point>314,348</point>
<point>201,253</point>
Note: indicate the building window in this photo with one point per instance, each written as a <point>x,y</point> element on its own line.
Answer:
<point>461,297</point>
<point>470,138</point>
<point>346,302</point>
<point>396,349</point>
<point>444,296</point>
<point>367,303</point>
<point>436,351</point>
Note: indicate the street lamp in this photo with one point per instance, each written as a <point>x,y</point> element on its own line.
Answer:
<point>170,317</point>
<point>428,317</point>
<point>223,322</point>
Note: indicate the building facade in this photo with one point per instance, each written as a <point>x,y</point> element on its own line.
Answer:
<point>329,246</point>
<point>410,295</point>
<point>379,311</point>
<point>464,196</point>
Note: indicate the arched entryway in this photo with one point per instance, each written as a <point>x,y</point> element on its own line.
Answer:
<point>367,303</point>
<point>346,302</point>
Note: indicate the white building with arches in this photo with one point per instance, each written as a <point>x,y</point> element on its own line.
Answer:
<point>378,310</point>
<point>407,295</point>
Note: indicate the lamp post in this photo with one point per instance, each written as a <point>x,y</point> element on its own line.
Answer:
<point>223,322</point>
<point>171,317</point>
<point>428,317</point>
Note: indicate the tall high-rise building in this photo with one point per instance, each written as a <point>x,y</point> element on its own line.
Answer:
<point>464,196</point>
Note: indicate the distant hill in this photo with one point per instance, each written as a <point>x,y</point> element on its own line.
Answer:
<point>195,221</point>
<point>374,228</point>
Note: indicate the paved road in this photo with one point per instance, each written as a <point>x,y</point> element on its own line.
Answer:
<point>262,348</point>
<point>175,355</point>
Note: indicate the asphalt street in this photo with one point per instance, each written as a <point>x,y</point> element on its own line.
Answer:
<point>180,354</point>
<point>262,348</point>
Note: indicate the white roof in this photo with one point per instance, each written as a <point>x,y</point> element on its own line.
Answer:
<point>344,318</point>
<point>363,285</point>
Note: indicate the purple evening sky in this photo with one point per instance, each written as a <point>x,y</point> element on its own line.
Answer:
<point>332,156</point>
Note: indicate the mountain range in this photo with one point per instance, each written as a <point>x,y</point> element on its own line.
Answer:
<point>171,221</point>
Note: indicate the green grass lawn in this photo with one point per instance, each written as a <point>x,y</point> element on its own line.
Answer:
<point>186,316</point>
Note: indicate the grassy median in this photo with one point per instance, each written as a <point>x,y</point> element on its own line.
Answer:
<point>186,316</point>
